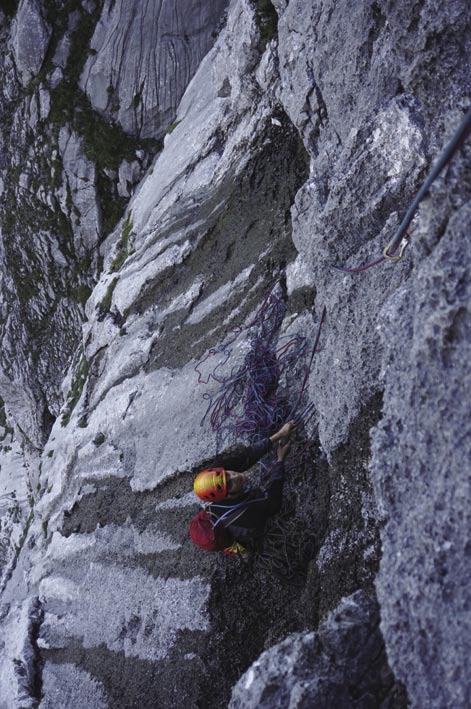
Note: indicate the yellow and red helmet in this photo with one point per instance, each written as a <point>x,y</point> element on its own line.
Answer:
<point>211,484</point>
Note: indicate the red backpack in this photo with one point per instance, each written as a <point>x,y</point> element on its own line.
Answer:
<point>206,536</point>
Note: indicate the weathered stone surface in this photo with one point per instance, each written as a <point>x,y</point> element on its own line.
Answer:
<point>65,685</point>
<point>29,39</point>
<point>79,186</point>
<point>140,345</point>
<point>207,232</point>
<point>372,125</point>
<point>421,462</point>
<point>342,664</point>
<point>144,57</point>
<point>129,173</point>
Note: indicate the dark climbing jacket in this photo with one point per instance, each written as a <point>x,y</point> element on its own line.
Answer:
<point>246,523</point>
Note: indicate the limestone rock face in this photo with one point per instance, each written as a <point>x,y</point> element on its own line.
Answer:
<point>133,269</point>
<point>421,473</point>
<point>371,126</point>
<point>80,185</point>
<point>144,56</point>
<point>29,39</point>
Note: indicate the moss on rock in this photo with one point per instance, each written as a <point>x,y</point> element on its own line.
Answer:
<point>78,382</point>
<point>124,246</point>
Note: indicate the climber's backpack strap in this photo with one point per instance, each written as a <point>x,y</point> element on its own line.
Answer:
<point>238,509</point>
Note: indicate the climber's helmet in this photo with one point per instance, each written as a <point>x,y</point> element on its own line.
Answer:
<point>214,484</point>
<point>211,484</point>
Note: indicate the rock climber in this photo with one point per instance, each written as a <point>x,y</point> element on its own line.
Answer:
<point>236,514</point>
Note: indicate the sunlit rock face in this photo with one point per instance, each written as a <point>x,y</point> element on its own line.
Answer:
<point>66,175</point>
<point>153,192</point>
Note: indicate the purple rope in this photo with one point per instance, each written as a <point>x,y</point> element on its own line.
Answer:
<point>249,401</point>
<point>360,269</point>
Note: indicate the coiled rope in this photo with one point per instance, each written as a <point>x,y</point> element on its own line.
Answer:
<point>253,397</point>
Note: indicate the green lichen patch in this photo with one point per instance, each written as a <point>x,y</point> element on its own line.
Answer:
<point>172,126</point>
<point>9,7</point>
<point>124,245</point>
<point>104,143</point>
<point>105,305</point>
<point>78,382</point>
<point>81,293</point>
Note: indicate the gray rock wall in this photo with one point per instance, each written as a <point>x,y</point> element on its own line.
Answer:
<point>297,145</point>
<point>65,177</point>
<point>143,57</point>
<point>373,119</point>
<point>420,467</point>
<point>30,35</point>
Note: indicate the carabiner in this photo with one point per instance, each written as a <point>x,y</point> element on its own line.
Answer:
<point>396,256</point>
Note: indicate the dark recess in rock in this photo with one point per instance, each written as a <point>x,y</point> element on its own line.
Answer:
<point>254,606</point>
<point>9,7</point>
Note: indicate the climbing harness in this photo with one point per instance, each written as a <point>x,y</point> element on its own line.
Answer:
<point>394,251</point>
<point>239,507</point>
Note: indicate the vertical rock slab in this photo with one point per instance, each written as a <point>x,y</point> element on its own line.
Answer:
<point>79,186</point>
<point>376,92</point>
<point>143,57</point>
<point>421,470</point>
<point>29,39</point>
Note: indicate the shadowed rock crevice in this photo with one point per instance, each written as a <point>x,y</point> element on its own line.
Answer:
<point>36,687</point>
<point>351,549</point>
<point>9,7</point>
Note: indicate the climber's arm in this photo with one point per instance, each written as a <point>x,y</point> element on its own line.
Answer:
<point>276,482</point>
<point>245,456</point>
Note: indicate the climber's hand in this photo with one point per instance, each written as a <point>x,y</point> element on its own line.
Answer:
<point>285,431</point>
<point>283,450</point>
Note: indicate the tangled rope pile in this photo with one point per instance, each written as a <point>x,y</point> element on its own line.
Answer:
<point>254,397</point>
